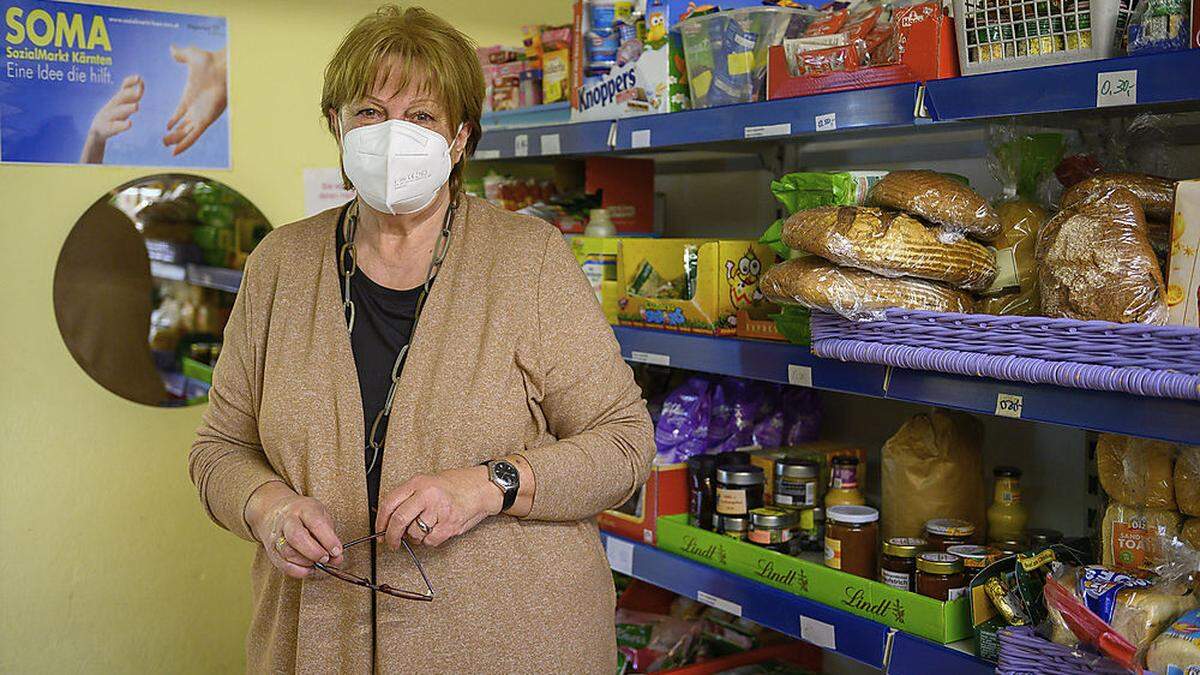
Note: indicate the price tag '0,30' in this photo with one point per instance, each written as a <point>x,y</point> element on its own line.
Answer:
<point>1009,405</point>
<point>1118,87</point>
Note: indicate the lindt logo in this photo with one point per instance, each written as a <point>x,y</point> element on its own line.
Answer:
<point>766,569</point>
<point>856,598</point>
<point>414,176</point>
<point>712,552</point>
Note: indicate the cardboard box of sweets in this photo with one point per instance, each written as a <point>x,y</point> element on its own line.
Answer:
<point>665,493</point>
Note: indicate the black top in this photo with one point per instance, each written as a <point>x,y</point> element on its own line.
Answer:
<point>383,323</point>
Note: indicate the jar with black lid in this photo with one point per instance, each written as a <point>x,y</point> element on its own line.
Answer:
<point>739,489</point>
<point>732,526</point>
<point>733,458</point>
<point>940,576</point>
<point>701,472</point>
<point>898,565</point>
<point>773,528</point>
<point>796,482</point>
<point>1040,537</point>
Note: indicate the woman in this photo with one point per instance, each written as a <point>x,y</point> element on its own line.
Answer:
<point>510,360</point>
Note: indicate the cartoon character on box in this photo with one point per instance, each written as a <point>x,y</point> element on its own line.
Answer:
<point>743,280</point>
<point>656,24</point>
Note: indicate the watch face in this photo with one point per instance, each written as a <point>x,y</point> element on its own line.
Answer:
<point>506,473</point>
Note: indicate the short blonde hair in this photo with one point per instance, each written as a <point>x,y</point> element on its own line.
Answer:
<point>433,53</point>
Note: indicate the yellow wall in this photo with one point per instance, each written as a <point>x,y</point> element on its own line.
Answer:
<point>107,562</point>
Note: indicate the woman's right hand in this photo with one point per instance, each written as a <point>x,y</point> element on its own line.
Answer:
<point>295,531</point>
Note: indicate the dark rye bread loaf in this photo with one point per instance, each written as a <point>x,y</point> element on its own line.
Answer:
<point>890,244</point>
<point>1155,194</point>
<point>1095,262</point>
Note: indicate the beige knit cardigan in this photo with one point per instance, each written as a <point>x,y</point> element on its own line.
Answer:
<point>512,355</point>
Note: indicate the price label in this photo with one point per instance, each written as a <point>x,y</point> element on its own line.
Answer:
<point>487,154</point>
<point>799,375</point>
<point>765,130</point>
<point>640,138</point>
<point>818,633</point>
<point>551,144</point>
<point>720,603</point>
<point>651,358</point>
<point>1009,405</point>
<point>620,555</point>
<point>521,145</point>
<point>1118,87</point>
<point>826,122</point>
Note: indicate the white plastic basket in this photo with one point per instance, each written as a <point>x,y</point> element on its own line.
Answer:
<point>996,35</point>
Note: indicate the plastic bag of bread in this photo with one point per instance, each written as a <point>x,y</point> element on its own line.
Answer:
<point>855,294</point>
<point>1135,606</point>
<point>932,467</point>
<point>1137,471</point>
<point>1095,263</point>
<point>1021,163</point>
<point>1177,649</point>
<point>1155,194</point>
<point>890,244</point>
<point>939,199</point>
<point>1190,532</point>
<point>1130,536</point>
<point>1187,480</point>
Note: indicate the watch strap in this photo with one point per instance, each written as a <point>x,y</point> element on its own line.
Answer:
<point>509,491</point>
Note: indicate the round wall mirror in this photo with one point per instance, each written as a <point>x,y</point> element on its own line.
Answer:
<point>145,282</point>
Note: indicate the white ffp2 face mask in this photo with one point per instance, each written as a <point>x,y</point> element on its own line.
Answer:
<point>397,167</point>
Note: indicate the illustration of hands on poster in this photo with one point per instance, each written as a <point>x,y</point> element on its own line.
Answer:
<point>89,84</point>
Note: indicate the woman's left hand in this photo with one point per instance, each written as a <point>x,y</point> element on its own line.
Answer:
<point>449,504</point>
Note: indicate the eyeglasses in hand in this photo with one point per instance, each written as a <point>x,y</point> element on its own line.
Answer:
<point>425,596</point>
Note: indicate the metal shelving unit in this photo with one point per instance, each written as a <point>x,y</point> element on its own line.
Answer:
<point>220,278</point>
<point>869,642</point>
<point>1168,419</point>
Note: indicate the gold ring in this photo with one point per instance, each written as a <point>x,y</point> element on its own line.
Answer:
<point>280,543</point>
<point>422,526</point>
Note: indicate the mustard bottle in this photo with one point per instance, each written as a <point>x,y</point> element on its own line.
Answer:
<point>1006,516</point>
<point>843,483</point>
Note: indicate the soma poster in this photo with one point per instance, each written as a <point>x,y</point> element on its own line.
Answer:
<point>85,84</point>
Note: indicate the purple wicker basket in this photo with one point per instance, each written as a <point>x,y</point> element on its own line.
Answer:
<point>1132,358</point>
<point>1023,651</point>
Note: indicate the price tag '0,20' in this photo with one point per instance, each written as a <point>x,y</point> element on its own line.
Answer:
<point>1118,87</point>
<point>1009,405</point>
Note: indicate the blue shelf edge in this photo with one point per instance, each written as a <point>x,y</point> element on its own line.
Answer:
<point>538,115</point>
<point>861,639</point>
<point>1062,88</point>
<point>1167,419</point>
<point>582,138</point>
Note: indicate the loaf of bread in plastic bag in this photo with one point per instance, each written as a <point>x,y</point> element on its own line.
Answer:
<point>1137,471</point>
<point>890,244</point>
<point>1129,536</point>
<point>939,199</point>
<point>1155,194</point>
<point>1187,480</point>
<point>1178,645</point>
<point>853,293</point>
<point>1020,222</point>
<point>1095,263</point>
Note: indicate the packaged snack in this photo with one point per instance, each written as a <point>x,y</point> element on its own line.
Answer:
<point>829,24</point>
<point>1136,471</point>
<point>889,244</point>
<point>1177,649</point>
<point>1159,26</point>
<point>556,64</point>
<point>939,199</point>
<point>1130,536</point>
<point>1096,263</point>
<point>932,467</point>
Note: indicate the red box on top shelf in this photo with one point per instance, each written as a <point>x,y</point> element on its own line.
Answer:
<point>925,44</point>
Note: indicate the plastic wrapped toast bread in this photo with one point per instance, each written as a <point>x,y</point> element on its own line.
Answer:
<point>1155,194</point>
<point>1137,471</point>
<point>1178,646</point>
<point>1020,222</point>
<point>1129,536</point>
<point>890,244</point>
<point>1095,263</point>
<point>855,294</point>
<point>938,199</point>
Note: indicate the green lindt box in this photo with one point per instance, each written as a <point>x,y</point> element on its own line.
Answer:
<point>938,621</point>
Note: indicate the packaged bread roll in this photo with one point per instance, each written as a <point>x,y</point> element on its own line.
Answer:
<point>1190,533</point>
<point>1020,222</point>
<point>1095,263</point>
<point>1187,480</point>
<point>1129,536</point>
<point>1137,471</point>
<point>890,244</point>
<point>855,294</point>
<point>1178,646</point>
<point>938,199</point>
<point>1156,195</point>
